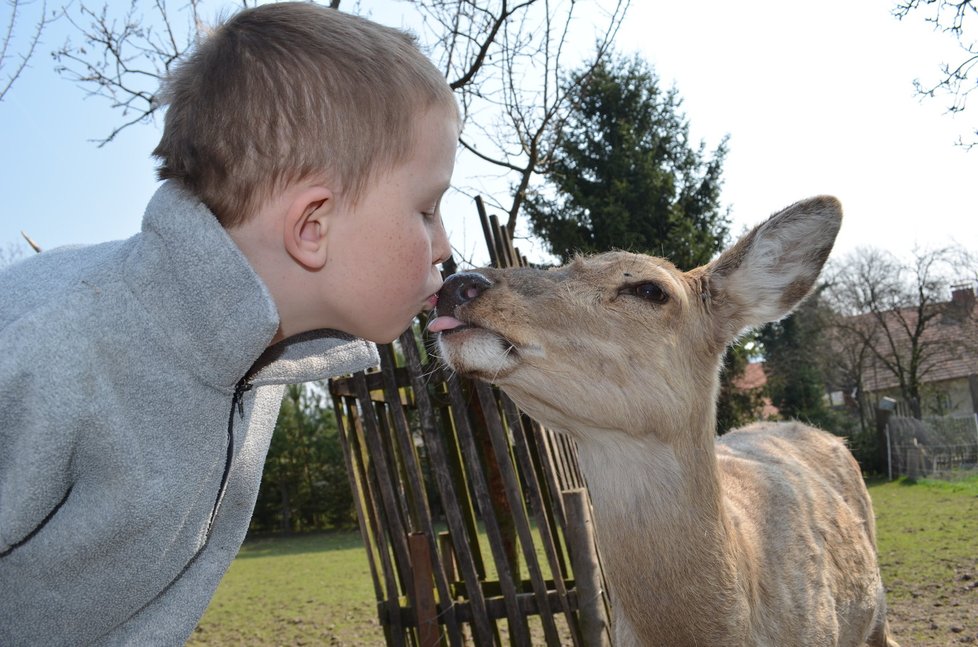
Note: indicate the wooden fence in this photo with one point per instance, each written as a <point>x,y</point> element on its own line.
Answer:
<point>475,519</point>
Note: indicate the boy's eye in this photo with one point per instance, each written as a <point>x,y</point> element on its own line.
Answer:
<point>431,212</point>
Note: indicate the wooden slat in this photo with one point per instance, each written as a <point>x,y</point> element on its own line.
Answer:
<point>503,252</point>
<point>519,630</point>
<point>384,486</point>
<point>495,608</point>
<point>376,540</point>
<point>390,470</point>
<point>413,565</point>
<point>541,507</point>
<point>412,467</point>
<point>353,469</point>
<point>482,632</point>
<point>487,232</point>
<point>425,611</point>
<point>501,446</point>
<point>595,626</point>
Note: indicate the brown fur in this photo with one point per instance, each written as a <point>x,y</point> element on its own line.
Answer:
<point>763,537</point>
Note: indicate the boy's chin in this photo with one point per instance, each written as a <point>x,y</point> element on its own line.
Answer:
<point>387,336</point>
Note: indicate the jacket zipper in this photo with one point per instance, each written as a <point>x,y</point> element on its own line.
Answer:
<point>26,538</point>
<point>237,402</point>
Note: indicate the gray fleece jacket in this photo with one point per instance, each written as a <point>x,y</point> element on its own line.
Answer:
<point>137,401</point>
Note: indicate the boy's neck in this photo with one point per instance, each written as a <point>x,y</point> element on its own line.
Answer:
<point>260,240</point>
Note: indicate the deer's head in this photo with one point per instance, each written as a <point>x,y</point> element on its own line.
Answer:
<point>617,340</point>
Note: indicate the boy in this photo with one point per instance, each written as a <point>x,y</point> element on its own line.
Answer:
<point>305,152</point>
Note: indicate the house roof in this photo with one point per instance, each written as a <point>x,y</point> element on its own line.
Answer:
<point>949,342</point>
<point>755,377</point>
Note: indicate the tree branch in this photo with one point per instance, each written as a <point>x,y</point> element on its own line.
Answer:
<point>126,60</point>
<point>949,16</point>
<point>9,42</point>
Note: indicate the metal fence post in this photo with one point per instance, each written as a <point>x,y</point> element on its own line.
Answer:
<point>889,453</point>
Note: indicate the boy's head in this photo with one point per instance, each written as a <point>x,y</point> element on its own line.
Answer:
<point>289,91</point>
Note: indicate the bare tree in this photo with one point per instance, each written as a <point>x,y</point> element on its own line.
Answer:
<point>13,63</point>
<point>894,322</point>
<point>124,59</point>
<point>9,254</point>
<point>957,80</point>
<point>511,66</point>
<point>507,60</point>
<point>845,364</point>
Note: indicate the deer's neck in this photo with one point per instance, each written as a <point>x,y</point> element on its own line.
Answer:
<point>671,554</point>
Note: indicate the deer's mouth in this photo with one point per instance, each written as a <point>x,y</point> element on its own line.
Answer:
<point>473,349</point>
<point>447,325</point>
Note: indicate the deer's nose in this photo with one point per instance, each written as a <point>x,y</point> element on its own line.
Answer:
<point>459,289</point>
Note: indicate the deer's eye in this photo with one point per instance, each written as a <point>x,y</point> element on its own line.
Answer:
<point>650,292</point>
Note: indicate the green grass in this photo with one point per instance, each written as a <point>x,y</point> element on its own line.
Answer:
<point>926,530</point>
<point>316,589</point>
<point>302,590</point>
<point>928,546</point>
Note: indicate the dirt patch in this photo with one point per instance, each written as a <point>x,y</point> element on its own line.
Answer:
<point>936,614</point>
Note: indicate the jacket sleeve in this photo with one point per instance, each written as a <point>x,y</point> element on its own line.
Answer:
<point>36,437</point>
<point>36,423</point>
<point>38,432</point>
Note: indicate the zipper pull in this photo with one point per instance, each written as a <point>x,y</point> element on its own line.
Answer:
<point>239,390</point>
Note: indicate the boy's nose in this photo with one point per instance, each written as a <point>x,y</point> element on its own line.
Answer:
<point>460,288</point>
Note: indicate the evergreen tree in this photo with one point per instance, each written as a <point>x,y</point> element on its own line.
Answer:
<point>304,482</point>
<point>794,352</point>
<point>737,406</point>
<point>624,175</point>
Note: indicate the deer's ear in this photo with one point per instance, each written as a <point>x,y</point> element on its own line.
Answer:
<point>771,269</point>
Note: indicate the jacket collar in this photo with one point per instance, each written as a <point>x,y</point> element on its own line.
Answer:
<point>214,311</point>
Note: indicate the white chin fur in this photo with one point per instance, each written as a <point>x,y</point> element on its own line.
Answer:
<point>478,352</point>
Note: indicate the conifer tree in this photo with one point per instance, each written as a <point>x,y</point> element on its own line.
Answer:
<point>625,175</point>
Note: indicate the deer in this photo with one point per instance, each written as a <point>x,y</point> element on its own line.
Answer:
<point>762,536</point>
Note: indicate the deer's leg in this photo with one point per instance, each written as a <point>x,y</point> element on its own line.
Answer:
<point>881,635</point>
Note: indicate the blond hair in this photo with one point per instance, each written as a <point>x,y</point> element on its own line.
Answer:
<point>284,92</point>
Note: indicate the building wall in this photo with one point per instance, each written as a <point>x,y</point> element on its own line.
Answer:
<point>960,395</point>
<point>955,397</point>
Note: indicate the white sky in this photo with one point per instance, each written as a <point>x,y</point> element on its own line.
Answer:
<point>817,97</point>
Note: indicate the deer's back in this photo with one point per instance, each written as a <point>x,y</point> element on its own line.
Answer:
<point>795,458</point>
<point>796,496</point>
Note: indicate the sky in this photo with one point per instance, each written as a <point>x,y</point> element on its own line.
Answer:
<point>816,98</point>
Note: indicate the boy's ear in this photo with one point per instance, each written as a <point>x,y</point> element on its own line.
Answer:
<point>305,226</point>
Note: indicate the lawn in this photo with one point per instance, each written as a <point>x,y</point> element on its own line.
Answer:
<point>302,590</point>
<point>928,546</point>
<point>316,589</point>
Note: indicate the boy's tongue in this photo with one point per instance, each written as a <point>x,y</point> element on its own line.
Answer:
<point>444,322</point>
